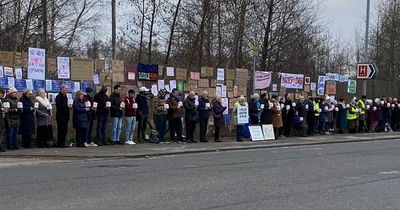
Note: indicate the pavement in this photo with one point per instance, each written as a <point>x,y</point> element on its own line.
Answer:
<point>151,150</point>
<point>358,175</point>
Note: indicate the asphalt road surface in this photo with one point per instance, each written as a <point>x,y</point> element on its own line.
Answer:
<point>338,176</point>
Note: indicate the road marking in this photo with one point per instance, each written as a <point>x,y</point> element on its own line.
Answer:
<point>389,172</point>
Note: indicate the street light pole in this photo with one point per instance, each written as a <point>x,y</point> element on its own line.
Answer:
<point>366,57</point>
<point>254,71</point>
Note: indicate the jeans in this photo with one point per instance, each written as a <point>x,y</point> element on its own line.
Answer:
<point>203,129</point>
<point>161,126</point>
<point>116,128</point>
<point>175,127</point>
<point>130,128</point>
<point>142,125</point>
<point>101,129</point>
<point>12,133</point>
<point>89,132</point>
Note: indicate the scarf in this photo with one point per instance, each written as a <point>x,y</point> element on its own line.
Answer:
<point>45,102</point>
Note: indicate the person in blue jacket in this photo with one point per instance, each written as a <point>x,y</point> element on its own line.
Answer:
<point>27,119</point>
<point>204,109</point>
<point>80,119</point>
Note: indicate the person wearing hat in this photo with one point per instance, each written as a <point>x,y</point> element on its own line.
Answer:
<point>142,114</point>
<point>102,112</point>
<point>92,116</point>
<point>116,114</point>
<point>2,120</point>
<point>13,118</point>
<point>62,115</point>
<point>160,114</point>
<point>27,125</point>
<point>130,117</point>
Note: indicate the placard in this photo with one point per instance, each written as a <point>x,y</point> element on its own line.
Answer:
<point>1,71</point>
<point>263,80</point>
<point>181,74</point>
<point>306,88</point>
<point>307,80</point>
<point>195,75</point>
<point>82,69</point>
<point>11,82</point>
<point>131,75</point>
<point>203,83</point>
<point>256,133</point>
<point>20,85</point>
<point>170,72</point>
<point>8,72</point>
<point>29,84</point>
<point>352,86</point>
<point>6,58</point>
<point>274,87</point>
<point>39,84</point>
<point>172,84</point>
<point>268,131</point>
<point>225,103</point>
<point>100,65</point>
<point>331,87</point>
<point>230,74</point>
<point>243,115</point>
<point>313,86</point>
<point>209,72</point>
<point>63,69</point>
<point>241,77</point>
<point>55,86</point>
<point>51,68</point>
<point>4,82</point>
<point>220,74</point>
<point>160,84</point>
<point>321,85</point>
<point>218,91</point>
<point>180,87</point>
<point>223,91</point>
<point>147,72</point>
<point>292,81</point>
<point>86,84</point>
<point>49,85</point>
<point>37,63</point>
<point>18,73</point>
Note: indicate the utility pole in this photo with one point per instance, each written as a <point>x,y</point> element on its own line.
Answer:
<point>114,28</point>
<point>255,50</point>
<point>366,57</point>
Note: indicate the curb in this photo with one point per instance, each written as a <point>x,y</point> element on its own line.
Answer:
<point>249,147</point>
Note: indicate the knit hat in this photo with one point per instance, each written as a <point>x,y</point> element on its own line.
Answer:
<point>12,90</point>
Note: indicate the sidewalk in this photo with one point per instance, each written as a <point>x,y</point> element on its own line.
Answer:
<point>149,150</point>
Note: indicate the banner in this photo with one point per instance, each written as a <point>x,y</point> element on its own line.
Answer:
<point>321,86</point>
<point>292,81</point>
<point>147,72</point>
<point>63,69</point>
<point>263,80</point>
<point>37,63</point>
<point>352,86</point>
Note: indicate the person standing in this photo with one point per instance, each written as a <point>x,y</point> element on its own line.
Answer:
<point>81,118</point>
<point>289,110</point>
<point>191,117</point>
<point>276,116</point>
<point>160,114</point>
<point>266,110</point>
<point>175,113</point>
<point>362,125</point>
<point>310,116</point>
<point>102,101</point>
<point>62,115</point>
<point>92,116</point>
<point>116,114</point>
<point>204,109</point>
<point>130,117</point>
<point>218,115</point>
<point>352,116</point>
<point>13,118</point>
<point>27,119</point>
<point>342,116</point>
<point>142,113</point>
<point>254,109</point>
<point>240,103</point>
<point>43,118</point>
<point>2,120</point>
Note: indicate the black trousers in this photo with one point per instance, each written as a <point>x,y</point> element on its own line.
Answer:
<point>80,136</point>
<point>203,129</point>
<point>175,128</point>
<point>62,133</point>
<point>44,135</point>
<point>190,129</point>
<point>142,125</point>
<point>217,129</point>
<point>26,141</point>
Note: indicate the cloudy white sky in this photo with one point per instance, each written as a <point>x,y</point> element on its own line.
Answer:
<point>346,17</point>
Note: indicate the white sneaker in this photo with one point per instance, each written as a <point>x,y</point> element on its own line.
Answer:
<point>86,145</point>
<point>130,143</point>
<point>92,144</point>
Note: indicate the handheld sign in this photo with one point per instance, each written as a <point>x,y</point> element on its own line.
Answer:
<point>122,105</point>
<point>134,105</point>
<point>88,104</point>
<point>108,104</point>
<point>94,104</point>
<point>36,105</point>
<point>262,106</point>
<point>70,102</point>
<point>196,102</point>
<point>208,105</point>
<point>180,104</point>
<point>6,105</point>
<point>243,115</point>
<point>20,105</point>
<point>166,106</point>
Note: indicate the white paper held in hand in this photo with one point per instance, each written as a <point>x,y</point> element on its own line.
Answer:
<point>6,105</point>
<point>20,105</point>
<point>134,105</point>
<point>166,106</point>
<point>108,104</point>
<point>180,104</point>
<point>122,105</point>
<point>88,104</point>
<point>94,104</point>
<point>36,105</point>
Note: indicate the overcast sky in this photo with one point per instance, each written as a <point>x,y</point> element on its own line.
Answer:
<point>345,17</point>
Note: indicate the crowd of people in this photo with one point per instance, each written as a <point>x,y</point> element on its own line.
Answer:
<point>33,115</point>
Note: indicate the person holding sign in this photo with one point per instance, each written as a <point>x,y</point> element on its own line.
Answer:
<point>175,113</point>
<point>266,110</point>
<point>13,118</point>
<point>62,115</point>
<point>81,118</point>
<point>218,115</point>
<point>160,114</point>
<point>101,99</point>
<point>116,114</point>
<point>43,119</point>
<point>342,116</point>
<point>92,116</point>
<point>27,125</point>
<point>204,109</point>
<point>142,114</point>
<point>240,115</point>
<point>191,117</point>
<point>130,117</point>
<point>2,120</point>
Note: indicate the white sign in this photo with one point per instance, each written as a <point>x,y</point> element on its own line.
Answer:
<point>161,84</point>
<point>292,81</point>
<point>218,91</point>
<point>94,104</point>
<point>8,72</point>
<point>321,85</point>
<point>172,84</point>
<point>77,86</point>
<point>220,74</point>
<point>29,84</point>
<point>223,94</point>
<point>243,115</point>
<point>154,90</point>
<point>313,86</point>
<point>274,87</point>
<point>49,85</point>
<point>170,71</point>
<point>37,63</point>
<point>63,68</point>
<point>11,82</point>
<point>225,103</point>
<point>1,71</point>
<point>256,133</point>
<point>108,104</point>
<point>96,79</point>
<point>268,131</point>
<point>18,73</point>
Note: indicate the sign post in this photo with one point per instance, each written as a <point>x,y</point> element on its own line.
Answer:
<point>366,71</point>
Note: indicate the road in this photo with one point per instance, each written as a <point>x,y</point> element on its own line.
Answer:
<point>337,176</point>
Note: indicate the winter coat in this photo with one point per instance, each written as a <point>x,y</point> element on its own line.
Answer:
<point>13,114</point>
<point>158,105</point>
<point>62,114</point>
<point>80,115</point>
<point>174,111</point>
<point>218,114</point>
<point>129,110</point>
<point>276,116</point>
<point>204,113</point>
<point>2,116</point>
<point>143,104</point>
<point>116,110</point>
<point>101,99</point>
<point>266,114</point>
<point>43,113</point>
<point>92,112</point>
<point>341,122</point>
<point>27,117</point>
<point>191,114</point>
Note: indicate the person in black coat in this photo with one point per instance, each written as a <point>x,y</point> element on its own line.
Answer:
<point>27,119</point>
<point>62,115</point>
<point>310,116</point>
<point>2,120</point>
<point>204,110</point>
<point>288,121</point>
<point>219,119</point>
<point>191,117</point>
<point>254,109</point>
<point>142,114</point>
<point>102,112</point>
<point>81,117</point>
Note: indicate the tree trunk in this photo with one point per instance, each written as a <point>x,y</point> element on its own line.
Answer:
<point>171,36</point>
<point>153,15</point>
<point>265,46</point>
<point>141,33</point>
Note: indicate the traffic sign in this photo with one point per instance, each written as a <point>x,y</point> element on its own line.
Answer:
<point>366,71</point>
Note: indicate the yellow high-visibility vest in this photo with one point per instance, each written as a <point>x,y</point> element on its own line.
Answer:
<point>361,104</point>
<point>351,116</point>
<point>316,108</point>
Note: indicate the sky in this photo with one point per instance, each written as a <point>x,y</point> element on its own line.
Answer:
<point>344,18</point>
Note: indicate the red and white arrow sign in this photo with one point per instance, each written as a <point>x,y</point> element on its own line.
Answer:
<point>365,71</point>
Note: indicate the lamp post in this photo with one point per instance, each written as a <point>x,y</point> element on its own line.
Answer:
<point>366,57</point>
<point>255,49</point>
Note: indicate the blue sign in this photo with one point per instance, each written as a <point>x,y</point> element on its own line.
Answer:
<point>4,82</point>
<point>86,84</point>
<point>20,85</point>
<point>55,86</point>
<point>39,84</point>
<point>71,85</point>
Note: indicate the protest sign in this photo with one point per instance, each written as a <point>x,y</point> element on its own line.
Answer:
<point>321,85</point>
<point>82,69</point>
<point>147,72</point>
<point>63,69</point>
<point>263,80</point>
<point>243,115</point>
<point>37,63</point>
<point>292,81</point>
